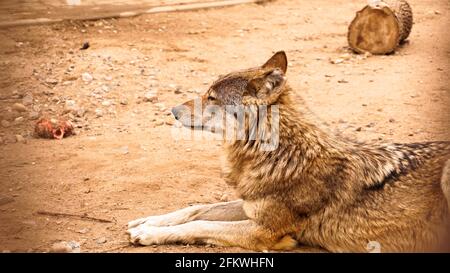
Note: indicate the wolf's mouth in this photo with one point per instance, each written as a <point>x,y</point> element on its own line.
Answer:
<point>195,127</point>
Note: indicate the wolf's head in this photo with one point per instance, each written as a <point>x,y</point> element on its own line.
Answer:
<point>259,86</point>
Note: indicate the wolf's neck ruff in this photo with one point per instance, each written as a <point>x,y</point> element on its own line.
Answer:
<point>296,134</point>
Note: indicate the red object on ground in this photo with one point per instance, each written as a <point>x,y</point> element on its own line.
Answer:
<point>53,128</point>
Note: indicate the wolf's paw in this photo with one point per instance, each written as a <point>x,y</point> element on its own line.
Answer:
<point>286,243</point>
<point>145,235</point>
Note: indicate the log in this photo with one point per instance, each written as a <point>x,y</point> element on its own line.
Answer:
<point>380,27</point>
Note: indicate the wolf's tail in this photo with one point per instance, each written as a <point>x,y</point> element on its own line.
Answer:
<point>445,182</point>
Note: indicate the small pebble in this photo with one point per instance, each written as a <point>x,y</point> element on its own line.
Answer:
<point>20,139</point>
<point>27,100</point>
<point>86,77</point>
<point>98,113</point>
<point>151,96</point>
<point>65,247</point>
<point>19,107</point>
<point>33,115</point>
<point>18,120</point>
<point>101,240</point>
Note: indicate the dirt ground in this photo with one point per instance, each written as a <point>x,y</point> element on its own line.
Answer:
<point>124,162</point>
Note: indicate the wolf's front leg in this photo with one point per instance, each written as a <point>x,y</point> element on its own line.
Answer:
<point>245,234</point>
<point>225,211</point>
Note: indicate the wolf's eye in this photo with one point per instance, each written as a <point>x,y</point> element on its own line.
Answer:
<point>211,98</point>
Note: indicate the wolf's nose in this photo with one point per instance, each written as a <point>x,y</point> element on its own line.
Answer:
<point>176,112</point>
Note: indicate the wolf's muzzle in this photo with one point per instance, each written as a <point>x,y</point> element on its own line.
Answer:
<point>177,111</point>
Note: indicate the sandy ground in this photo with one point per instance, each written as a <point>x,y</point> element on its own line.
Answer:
<point>125,164</point>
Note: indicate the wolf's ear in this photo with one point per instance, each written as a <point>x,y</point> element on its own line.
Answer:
<point>266,89</point>
<point>279,60</point>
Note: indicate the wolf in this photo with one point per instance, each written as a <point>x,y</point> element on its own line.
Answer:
<point>314,188</point>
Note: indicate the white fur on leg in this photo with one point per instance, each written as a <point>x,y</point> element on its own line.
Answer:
<point>173,218</point>
<point>227,209</point>
<point>236,233</point>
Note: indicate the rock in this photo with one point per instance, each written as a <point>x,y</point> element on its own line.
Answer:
<point>19,107</point>
<point>346,56</point>
<point>170,122</point>
<point>33,115</point>
<point>358,129</point>
<point>337,61</point>
<point>101,240</point>
<point>105,88</point>
<point>161,106</point>
<point>124,101</point>
<point>98,113</point>
<point>16,94</point>
<point>370,125</point>
<point>65,247</point>
<point>342,81</point>
<point>106,103</point>
<point>176,88</point>
<point>124,150</point>
<point>80,112</point>
<point>5,123</point>
<point>18,120</point>
<point>49,92</point>
<point>5,200</point>
<point>85,46</point>
<point>70,106</point>
<point>61,247</point>
<point>83,230</point>
<point>51,81</point>
<point>391,120</point>
<point>27,100</point>
<point>224,198</point>
<point>20,139</point>
<point>159,123</point>
<point>107,78</point>
<point>151,96</point>
<point>86,77</point>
